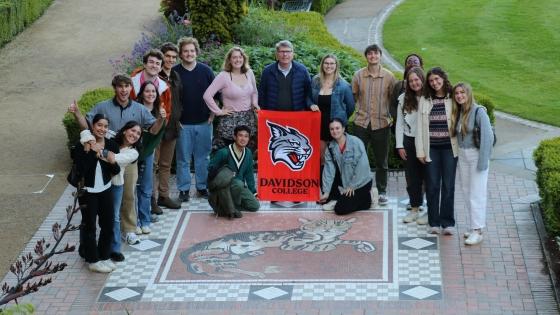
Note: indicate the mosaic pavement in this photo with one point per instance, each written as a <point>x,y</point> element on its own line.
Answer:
<point>195,263</point>
<point>155,271</point>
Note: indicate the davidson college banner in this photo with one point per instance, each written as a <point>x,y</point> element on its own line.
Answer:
<point>289,157</point>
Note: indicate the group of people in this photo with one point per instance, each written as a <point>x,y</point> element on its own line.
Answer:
<point>165,109</point>
<point>438,127</point>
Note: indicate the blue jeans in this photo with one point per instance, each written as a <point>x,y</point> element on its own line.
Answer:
<point>144,189</point>
<point>117,192</point>
<point>440,178</point>
<point>194,140</point>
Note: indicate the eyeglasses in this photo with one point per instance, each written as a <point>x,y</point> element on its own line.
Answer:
<point>284,52</point>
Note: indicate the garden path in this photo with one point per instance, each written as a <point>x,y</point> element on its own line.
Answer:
<point>44,68</point>
<point>359,23</point>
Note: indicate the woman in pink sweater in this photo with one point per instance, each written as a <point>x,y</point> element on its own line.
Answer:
<point>239,98</point>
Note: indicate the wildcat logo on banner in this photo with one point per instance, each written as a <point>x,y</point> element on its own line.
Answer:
<point>289,158</point>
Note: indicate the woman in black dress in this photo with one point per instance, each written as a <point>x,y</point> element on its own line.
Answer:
<point>332,96</point>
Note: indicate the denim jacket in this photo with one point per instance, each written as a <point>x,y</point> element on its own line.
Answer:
<point>353,164</point>
<point>342,100</point>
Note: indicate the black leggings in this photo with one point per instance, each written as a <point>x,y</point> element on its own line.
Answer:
<point>361,200</point>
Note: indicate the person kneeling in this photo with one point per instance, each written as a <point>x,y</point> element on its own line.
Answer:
<point>231,182</point>
<point>347,177</point>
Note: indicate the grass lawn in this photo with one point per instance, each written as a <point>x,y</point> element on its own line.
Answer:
<point>508,50</point>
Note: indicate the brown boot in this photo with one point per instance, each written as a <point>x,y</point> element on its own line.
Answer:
<point>168,203</point>
<point>155,208</point>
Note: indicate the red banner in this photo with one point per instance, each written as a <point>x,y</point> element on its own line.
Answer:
<point>289,157</point>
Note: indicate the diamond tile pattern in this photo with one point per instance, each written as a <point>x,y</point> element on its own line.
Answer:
<point>271,293</point>
<point>420,292</point>
<point>415,267</point>
<point>122,294</point>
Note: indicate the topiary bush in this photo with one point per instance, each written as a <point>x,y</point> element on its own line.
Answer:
<point>16,15</point>
<point>547,160</point>
<point>85,104</point>
<point>213,20</point>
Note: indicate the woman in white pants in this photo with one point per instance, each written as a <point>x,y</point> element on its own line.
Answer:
<point>474,156</point>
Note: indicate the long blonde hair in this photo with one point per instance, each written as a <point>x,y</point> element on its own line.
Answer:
<point>462,110</point>
<point>322,75</point>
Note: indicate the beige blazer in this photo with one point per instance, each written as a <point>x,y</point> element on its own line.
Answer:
<point>422,139</point>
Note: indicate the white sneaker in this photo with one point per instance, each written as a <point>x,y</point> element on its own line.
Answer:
<point>422,220</point>
<point>383,199</point>
<point>467,234</point>
<point>109,264</point>
<point>374,197</point>
<point>146,230</point>
<point>433,230</point>
<point>449,230</point>
<point>474,238</point>
<point>99,267</point>
<point>132,238</point>
<point>329,206</point>
<point>138,230</point>
<point>410,217</point>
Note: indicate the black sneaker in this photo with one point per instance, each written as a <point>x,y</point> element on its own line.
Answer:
<point>184,196</point>
<point>202,193</point>
<point>117,257</point>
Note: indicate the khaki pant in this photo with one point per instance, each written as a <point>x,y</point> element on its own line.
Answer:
<point>162,160</point>
<point>128,207</point>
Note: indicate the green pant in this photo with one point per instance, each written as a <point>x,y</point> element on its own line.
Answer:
<point>243,198</point>
<point>379,140</point>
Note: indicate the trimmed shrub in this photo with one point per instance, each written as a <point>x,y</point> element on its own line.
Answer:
<point>306,30</point>
<point>323,6</point>
<point>16,15</point>
<point>85,104</point>
<point>487,102</point>
<point>213,20</point>
<point>547,160</point>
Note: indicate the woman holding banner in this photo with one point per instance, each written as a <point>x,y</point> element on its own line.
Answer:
<point>347,177</point>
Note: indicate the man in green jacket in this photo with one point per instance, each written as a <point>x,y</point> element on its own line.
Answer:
<point>239,159</point>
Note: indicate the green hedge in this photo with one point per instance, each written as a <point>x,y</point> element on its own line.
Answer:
<point>16,15</point>
<point>85,104</point>
<point>547,160</point>
<point>323,6</point>
<point>261,29</point>
<point>487,102</point>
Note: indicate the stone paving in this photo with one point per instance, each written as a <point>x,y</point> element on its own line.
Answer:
<point>408,268</point>
<point>410,272</point>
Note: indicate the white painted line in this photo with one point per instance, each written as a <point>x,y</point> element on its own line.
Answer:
<point>50,176</point>
<point>376,27</point>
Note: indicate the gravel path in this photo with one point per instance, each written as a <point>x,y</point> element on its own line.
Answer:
<point>44,68</point>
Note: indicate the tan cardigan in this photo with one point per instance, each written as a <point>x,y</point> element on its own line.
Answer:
<point>422,139</point>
